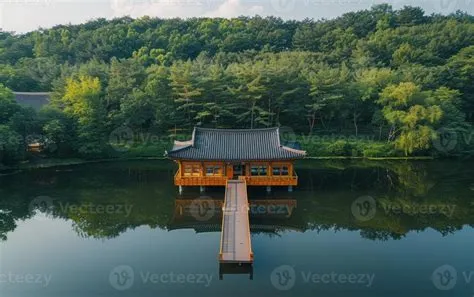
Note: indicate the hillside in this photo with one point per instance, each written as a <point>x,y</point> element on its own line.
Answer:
<point>379,82</point>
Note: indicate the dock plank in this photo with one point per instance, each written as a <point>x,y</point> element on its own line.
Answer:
<point>236,245</point>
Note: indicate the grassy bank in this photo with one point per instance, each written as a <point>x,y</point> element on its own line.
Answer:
<point>317,150</point>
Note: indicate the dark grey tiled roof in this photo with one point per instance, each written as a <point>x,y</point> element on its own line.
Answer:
<point>35,100</point>
<point>234,145</point>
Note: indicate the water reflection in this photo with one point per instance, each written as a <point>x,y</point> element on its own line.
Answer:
<point>107,200</point>
<point>399,222</point>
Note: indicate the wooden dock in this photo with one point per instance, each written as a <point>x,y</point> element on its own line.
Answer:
<point>236,246</point>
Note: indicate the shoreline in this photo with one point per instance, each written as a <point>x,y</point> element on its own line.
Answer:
<point>52,163</point>
<point>67,162</point>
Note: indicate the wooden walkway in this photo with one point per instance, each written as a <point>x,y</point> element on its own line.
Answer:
<point>236,246</point>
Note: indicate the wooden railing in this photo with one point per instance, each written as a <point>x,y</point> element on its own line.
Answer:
<point>199,180</point>
<point>272,180</point>
<point>222,180</point>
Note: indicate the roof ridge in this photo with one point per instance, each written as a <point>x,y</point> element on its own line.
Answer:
<point>236,130</point>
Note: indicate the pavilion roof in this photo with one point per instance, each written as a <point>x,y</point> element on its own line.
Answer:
<point>234,145</point>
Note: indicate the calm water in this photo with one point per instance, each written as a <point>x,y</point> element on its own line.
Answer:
<point>349,229</point>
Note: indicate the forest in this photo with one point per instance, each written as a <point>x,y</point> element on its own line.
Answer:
<point>373,83</point>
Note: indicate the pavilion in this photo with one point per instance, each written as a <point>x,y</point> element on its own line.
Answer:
<point>214,156</point>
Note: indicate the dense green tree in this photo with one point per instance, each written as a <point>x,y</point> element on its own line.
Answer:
<point>185,90</point>
<point>58,130</point>
<point>459,75</point>
<point>83,101</point>
<point>378,73</point>
<point>8,106</point>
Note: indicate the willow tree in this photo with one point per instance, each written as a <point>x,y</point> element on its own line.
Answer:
<point>411,118</point>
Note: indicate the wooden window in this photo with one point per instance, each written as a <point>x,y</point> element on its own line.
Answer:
<point>280,170</point>
<point>196,170</point>
<point>188,170</point>
<point>276,170</point>
<point>192,170</point>
<point>258,170</point>
<point>214,170</point>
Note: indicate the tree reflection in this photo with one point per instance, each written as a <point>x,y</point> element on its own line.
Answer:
<point>322,202</point>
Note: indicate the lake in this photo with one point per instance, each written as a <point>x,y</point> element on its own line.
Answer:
<point>351,228</point>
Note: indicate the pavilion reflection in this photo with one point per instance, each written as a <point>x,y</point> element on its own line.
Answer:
<point>235,269</point>
<point>204,214</point>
